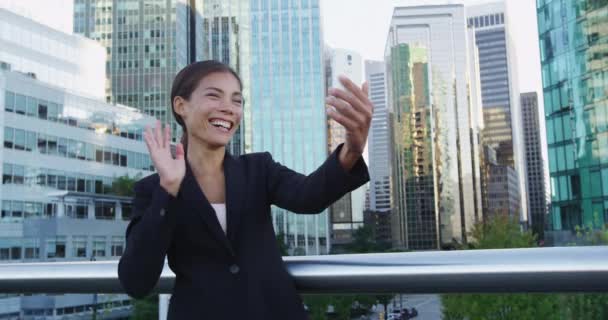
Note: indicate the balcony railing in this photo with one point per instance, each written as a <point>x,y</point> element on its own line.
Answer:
<point>569,269</point>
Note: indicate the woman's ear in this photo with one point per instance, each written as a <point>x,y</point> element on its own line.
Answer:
<point>179,105</point>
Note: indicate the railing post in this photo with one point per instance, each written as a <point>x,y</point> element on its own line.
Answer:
<point>163,306</point>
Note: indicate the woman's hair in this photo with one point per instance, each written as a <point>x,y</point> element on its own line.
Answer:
<point>187,80</point>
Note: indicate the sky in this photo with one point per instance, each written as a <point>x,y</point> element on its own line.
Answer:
<point>362,26</point>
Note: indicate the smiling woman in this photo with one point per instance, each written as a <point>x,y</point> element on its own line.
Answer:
<point>209,212</point>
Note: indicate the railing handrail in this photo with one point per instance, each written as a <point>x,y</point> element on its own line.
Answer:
<point>561,269</point>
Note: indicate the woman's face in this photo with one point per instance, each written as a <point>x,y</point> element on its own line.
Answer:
<point>214,110</point>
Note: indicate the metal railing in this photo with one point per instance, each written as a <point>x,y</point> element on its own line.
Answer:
<point>569,269</point>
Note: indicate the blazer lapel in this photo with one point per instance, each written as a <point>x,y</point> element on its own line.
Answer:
<point>234,198</point>
<point>194,197</point>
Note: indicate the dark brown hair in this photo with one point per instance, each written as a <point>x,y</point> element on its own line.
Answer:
<point>187,80</point>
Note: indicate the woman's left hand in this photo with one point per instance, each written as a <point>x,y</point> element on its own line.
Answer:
<point>353,110</point>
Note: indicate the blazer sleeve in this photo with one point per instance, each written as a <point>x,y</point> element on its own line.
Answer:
<point>148,237</point>
<point>317,191</point>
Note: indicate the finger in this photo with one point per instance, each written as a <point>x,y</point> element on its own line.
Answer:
<point>352,100</point>
<point>355,90</point>
<point>365,88</point>
<point>167,140</point>
<point>149,138</point>
<point>349,124</point>
<point>344,108</point>
<point>158,134</point>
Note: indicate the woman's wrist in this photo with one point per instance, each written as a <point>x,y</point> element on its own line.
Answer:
<point>348,158</point>
<point>171,187</point>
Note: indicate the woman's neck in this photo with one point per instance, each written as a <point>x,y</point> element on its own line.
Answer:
<point>204,160</point>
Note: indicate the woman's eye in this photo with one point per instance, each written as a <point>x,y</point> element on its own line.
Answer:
<point>213,95</point>
<point>239,102</point>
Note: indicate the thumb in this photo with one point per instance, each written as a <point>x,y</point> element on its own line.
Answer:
<point>179,151</point>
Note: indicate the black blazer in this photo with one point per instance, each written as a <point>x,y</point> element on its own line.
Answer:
<point>240,274</point>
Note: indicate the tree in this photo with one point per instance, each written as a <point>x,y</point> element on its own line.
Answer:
<point>500,232</point>
<point>146,308</point>
<point>123,185</point>
<point>583,306</point>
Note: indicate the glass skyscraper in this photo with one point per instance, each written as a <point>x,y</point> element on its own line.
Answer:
<point>574,63</point>
<point>379,141</point>
<point>500,99</point>
<point>146,43</point>
<point>436,162</point>
<point>409,73</point>
<point>535,164</point>
<point>287,103</point>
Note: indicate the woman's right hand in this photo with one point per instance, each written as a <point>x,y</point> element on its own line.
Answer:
<point>171,171</point>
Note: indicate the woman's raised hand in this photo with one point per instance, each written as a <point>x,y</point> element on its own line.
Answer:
<point>171,171</point>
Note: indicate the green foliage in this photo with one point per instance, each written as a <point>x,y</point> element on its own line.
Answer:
<point>501,232</point>
<point>123,186</point>
<point>146,308</point>
<point>364,241</point>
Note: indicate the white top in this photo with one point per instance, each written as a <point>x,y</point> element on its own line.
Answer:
<point>220,212</point>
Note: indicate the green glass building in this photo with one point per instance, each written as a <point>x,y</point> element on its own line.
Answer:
<point>574,56</point>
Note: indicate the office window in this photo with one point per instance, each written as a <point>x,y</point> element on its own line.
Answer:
<point>20,104</point>
<point>31,248</point>
<point>105,210</point>
<point>117,245</point>
<point>99,246</point>
<point>8,137</point>
<point>55,247</point>
<point>79,245</point>
<point>9,101</point>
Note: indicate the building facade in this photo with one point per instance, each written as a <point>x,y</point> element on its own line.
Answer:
<point>380,137</point>
<point>502,129</point>
<point>287,104</point>
<point>62,150</point>
<point>535,165</point>
<point>59,144</point>
<point>503,189</point>
<point>573,65</point>
<point>436,176</point>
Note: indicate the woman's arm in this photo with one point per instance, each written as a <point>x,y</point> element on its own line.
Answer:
<point>342,172</point>
<point>148,236</point>
<point>313,193</point>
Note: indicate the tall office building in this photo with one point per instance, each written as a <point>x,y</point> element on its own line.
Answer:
<point>287,103</point>
<point>573,63</point>
<point>146,43</point>
<point>346,214</point>
<point>62,150</point>
<point>436,162</point>
<point>149,41</point>
<point>535,166</point>
<point>379,142</point>
<point>499,93</point>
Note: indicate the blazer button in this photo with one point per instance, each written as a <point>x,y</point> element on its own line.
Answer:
<point>234,269</point>
<point>162,212</point>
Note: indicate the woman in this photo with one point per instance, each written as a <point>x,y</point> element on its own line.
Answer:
<point>209,212</point>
